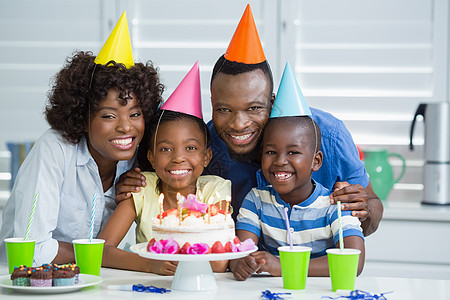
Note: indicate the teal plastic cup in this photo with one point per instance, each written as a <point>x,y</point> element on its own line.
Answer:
<point>294,266</point>
<point>89,255</point>
<point>343,268</point>
<point>19,252</point>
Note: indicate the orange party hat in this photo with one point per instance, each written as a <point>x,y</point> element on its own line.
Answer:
<point>118,45</point>
<point>245,46</point>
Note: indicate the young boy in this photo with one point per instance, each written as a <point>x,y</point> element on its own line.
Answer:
<point>291,152</point>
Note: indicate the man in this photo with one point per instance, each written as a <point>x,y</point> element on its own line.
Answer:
<point>242,98</point>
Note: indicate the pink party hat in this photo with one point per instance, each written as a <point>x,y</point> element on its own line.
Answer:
<point>289,101</point>
<point>187,96</point>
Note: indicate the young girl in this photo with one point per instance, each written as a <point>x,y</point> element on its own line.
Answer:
<point>178,152</point>
<point>177,146</point>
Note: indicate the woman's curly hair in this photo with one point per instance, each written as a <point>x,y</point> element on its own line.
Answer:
<point>81,84</point>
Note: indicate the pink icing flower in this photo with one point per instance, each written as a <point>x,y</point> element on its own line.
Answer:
<point>200,248</point>
<point>156,248</point>
<point>191,203</point>
<point>169,246</point>
<point>246,245</point>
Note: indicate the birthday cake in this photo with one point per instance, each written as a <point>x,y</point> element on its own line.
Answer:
<point>195,228</point>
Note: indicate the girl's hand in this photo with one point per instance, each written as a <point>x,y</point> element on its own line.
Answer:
<point>129,182</point>
<point>164,267</point>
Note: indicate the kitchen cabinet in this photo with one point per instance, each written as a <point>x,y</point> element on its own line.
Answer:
<point>413,240</point>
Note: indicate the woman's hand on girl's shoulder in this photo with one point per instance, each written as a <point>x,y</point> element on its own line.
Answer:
<point>129,182</point>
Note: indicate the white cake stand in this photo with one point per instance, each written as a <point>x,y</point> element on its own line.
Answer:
<point>193,272</point>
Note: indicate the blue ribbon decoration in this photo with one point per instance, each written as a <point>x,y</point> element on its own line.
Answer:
<point>361,295</point>
<point>269,295</point>
<point>149,289</point>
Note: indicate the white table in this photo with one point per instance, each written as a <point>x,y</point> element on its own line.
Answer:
<point>230,289</point>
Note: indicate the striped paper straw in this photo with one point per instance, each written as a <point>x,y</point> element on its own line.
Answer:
<point>30,220</point>
<point>288,227</point>
<point>91,228</point>
<point>341,236</point>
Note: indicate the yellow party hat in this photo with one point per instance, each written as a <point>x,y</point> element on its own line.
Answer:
<point>117,46</point>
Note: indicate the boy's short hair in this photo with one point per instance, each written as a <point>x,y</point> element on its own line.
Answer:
<point>305,122</point>
<point>235,68</point>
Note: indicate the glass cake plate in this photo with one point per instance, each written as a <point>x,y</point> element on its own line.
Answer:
<point>194,272</point>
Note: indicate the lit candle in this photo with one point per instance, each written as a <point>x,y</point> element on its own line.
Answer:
<point>218,199</point>
<point>228,199</point>
<point>208,214</point>
<point>180,210</point>
<point>161,206</point>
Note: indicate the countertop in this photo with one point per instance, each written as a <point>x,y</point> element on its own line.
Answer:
<point>415,212</point>
<point>229,288</point>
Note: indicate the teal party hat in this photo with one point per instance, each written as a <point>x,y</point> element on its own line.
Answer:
<point>289,101</point>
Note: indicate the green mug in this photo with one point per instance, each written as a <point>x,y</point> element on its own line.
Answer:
<point>380,170</point>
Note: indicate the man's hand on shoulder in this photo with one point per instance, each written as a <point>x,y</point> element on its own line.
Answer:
<point>129,182</point>
<point>353,197</point>
<point>363,202</point>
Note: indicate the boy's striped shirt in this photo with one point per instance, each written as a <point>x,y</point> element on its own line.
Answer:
<point>314,221</point>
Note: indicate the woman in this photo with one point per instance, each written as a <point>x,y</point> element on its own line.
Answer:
<point>97,115</point>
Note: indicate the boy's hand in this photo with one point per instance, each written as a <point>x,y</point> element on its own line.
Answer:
<point>269,262</point>
<point>129,182</point>
<point>243,268</point>
<point>353,197</point>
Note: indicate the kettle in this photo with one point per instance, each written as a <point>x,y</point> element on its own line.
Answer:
<point>436,174</point>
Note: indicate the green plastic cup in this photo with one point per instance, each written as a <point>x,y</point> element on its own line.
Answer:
<point>294,266</point>
<point>88,255</point>
<point>343,268</point>
<point>19,252</point>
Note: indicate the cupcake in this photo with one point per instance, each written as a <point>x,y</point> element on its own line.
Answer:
<point>41,277</point>
<point>63,275</point>
<point>49,266</point>
<point>21,276</point>
<point>76,269</point>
